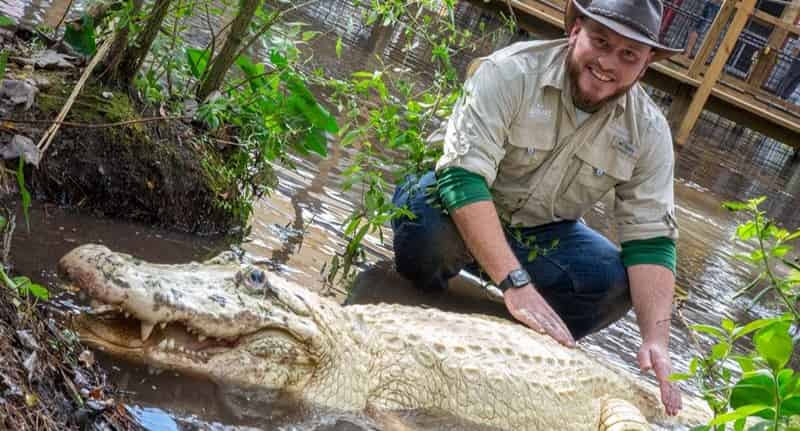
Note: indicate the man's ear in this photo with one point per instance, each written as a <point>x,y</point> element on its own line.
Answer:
<point>576,28</point>
<point>647,63</point>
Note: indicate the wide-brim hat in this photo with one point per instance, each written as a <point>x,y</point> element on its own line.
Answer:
<point>638,20</point>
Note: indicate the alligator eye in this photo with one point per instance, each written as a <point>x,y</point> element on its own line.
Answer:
<point>257,276</point>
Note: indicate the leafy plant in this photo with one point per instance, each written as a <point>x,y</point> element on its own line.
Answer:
<point>760,383</point>
<point>391,112</point>
<point>24,286</point>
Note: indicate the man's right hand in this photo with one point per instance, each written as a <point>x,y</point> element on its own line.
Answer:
<point>530,308</point>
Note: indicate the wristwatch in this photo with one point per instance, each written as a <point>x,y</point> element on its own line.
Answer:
<point>516,279</point>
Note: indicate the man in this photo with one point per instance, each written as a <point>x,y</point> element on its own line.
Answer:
<point>544,131</point>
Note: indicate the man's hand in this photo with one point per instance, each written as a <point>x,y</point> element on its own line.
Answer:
<point>656,357</point>
<point>530,308</point>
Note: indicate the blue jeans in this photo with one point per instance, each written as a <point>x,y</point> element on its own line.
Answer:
<point>577,270</point>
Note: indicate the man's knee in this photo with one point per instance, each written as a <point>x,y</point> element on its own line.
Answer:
<point>427,247</point>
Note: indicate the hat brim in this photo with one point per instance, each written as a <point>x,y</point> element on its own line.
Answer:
<point>575,9</point>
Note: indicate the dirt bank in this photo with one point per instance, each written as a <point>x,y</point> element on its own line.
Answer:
<point>112,156</point>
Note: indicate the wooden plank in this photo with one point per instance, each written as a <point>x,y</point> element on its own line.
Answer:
<point>769,19</point>
<point>714,71</point>
<point>545,13</point>
<point>712,36</point>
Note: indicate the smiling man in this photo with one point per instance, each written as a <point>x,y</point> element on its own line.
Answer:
<point>543,131</point>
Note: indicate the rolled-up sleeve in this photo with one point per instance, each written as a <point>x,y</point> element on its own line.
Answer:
<point>645,205</point>
<point>479,124</point>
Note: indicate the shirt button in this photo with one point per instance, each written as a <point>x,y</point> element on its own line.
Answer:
<point>531,151</point>
<point>599,172</point>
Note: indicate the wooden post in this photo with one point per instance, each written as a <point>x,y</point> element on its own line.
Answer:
<point>744,9</point>
<point>777,39</point>
<point>712,36</point>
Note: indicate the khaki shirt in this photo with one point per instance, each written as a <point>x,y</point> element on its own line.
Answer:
<point>516,126</point>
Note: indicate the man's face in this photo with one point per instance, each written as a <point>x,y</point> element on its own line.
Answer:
<point>602,64</point>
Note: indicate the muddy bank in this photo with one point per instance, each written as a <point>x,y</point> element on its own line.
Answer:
<point>48,380</point>
<point>111,156</point>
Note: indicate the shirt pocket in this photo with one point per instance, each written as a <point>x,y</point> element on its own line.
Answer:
<point>595,176</point>
<point>517,171</point>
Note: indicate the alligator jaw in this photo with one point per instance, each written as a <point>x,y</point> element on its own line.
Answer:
<point>202,319</point>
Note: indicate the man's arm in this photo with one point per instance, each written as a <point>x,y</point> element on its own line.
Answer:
<point>652,288</point>
<point>480,228</point>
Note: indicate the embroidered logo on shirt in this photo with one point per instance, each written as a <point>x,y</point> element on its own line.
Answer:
<point>539,112</point>
<point>621,140</point>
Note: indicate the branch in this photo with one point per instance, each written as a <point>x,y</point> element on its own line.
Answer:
<point>98,125</point>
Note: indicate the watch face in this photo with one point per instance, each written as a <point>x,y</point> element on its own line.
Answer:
<point>519,277</point>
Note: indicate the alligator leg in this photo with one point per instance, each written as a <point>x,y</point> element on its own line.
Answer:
<point>620,415</point>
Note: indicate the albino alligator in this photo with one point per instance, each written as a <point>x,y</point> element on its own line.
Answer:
<point>231,322</point>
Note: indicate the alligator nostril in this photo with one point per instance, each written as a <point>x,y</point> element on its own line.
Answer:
<point>258,276</point>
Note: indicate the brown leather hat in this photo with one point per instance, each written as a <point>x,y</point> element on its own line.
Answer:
<point>638,20</point>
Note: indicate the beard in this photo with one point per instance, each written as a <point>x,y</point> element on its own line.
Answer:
<point>581,100</point>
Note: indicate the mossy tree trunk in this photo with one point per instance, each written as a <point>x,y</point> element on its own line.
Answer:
<point>133,56</point>
<point>115,53</point>
<point>227,55</point>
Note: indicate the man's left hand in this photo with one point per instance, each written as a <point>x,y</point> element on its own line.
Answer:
<point>656,357</point>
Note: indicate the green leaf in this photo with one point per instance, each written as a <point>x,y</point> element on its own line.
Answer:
<point>7,21</point>
<point>739,413</point>
<point>727,325</point>
<point>746,363</point>
<point>308,35</point>
<point>677,377</point>
<point>198,61</point>
<point>254,72</point>
<point>38,291</point>
<point>339,47</point>
<point>791,406</point>
<point>316,141</point>
<point>710,330</point>
<point>781,250</point>
<point>720,350</point>
<point>755,325</point>
<point>792,236</point>
<point>26,196</point>
<point>734,206</point>
<point>755,388</point>
<point>746,231</point>
<point>3,63</point>
<point>774,343</point>
<point>278,60</point>
<point>81,37</point>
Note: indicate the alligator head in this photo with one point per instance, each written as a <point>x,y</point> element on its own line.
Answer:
<point>218,319</point>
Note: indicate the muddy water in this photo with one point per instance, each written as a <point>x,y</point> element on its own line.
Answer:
<point>298,229</point>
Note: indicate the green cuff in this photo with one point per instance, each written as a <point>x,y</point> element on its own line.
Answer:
<point>459,187</point>
<point>655,251</point>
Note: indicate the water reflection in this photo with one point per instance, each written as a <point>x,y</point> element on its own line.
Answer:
<point>299,227</point>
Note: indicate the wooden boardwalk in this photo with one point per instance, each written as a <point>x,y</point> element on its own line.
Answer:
<point>695,85</point>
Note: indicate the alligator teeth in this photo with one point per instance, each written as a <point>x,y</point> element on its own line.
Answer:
<point>171,343</point>
<point>147,329</point>
<point>201,338</point>
<point>163,344</point>
<point>163,325</point>
<point>127,315</point>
